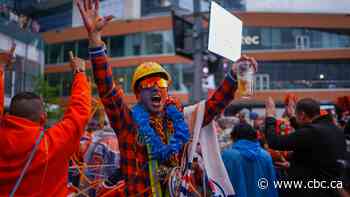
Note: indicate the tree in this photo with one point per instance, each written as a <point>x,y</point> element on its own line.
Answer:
<point>50,98</point>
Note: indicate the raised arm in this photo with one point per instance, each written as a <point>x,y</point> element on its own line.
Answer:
<point>225,93</point>
<point>111,94</point>
<point>65,134</point>
<point>5,61</point>
<point>296,140</point>
<point>222,96</point>
<point>290,112</point>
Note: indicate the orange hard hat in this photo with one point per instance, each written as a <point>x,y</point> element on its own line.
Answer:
<point>148,68</point>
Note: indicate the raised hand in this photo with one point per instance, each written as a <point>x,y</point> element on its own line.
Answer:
<point>6,57</point>
<point>243,58</point>
<point>77,64</point>
<point>290,109</point>
<point>270,108</point>
<point>93,22</point>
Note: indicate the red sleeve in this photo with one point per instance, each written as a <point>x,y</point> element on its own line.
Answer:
<point>118,112</point>
<point>221,98</point>
<point>64,136</point>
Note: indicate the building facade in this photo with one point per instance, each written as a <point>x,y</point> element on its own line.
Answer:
<point>301,52</point>
<point>29,53</point>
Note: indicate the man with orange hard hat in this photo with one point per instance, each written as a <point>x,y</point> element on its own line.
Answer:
<point>154,132</point>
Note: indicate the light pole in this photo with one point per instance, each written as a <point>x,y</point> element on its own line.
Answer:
<point>198,49</point>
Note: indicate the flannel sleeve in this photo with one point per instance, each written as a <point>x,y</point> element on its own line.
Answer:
<point>111,94</point>
<point>222,97</point>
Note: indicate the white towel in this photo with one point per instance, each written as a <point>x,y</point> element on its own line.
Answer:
<point>213,163</point>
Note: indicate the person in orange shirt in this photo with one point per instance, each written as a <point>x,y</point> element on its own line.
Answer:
<point>34,162</point>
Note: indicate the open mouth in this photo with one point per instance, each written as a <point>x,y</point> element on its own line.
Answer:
<point>156,99</point>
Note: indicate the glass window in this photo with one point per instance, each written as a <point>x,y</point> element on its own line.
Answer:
<point>232,5</point>
<point>83,49</point>
<point>294,38</point>
<point>147,4</point>
<point>46,53</point>
<point>288,38</point>
<point>117,46</point>
<point>265,39</point>
<point>307,74</point>
<point>53,78</point>
<point>8,80</point>
<point>168,42</point>
<point>133,44</point>
<point>177,73</point>
<point>122,77</point>
<point>56,17</point>
<point>154,43</point>
<point>182,36</point>
<point>253,37</point>
<point>155,6</point>
<point>55,53</point>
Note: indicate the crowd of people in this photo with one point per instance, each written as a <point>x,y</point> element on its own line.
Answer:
<point>305,144</point>
<point>158,147</point>
<point>23,21</point>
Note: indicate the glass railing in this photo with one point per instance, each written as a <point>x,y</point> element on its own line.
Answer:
<point>312,84</point>
<point>130,45</point>
<point>13,30</point>
<point>24,81</point>
<point>273,38</point>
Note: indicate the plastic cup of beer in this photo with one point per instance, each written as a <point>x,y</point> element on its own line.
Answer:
<point>245,76</point>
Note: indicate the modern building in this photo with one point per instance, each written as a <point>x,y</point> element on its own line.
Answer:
<point>304,49</point>
<point>29,64</point>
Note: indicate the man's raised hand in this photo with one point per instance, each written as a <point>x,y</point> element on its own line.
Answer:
<point>93,22</point>
<point>77,64</point>
<point>243,58</point>
<point>270,108</point>
<point>290,109</point>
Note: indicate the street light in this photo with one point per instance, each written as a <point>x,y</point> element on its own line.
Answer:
<point>321,76</point>
<point>205,70</point>
<point>198,49</point>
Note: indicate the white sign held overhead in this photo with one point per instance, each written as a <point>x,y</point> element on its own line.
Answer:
<point>225,33</point>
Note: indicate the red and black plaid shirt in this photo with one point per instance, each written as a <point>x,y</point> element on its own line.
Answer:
<point>133,155</point>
